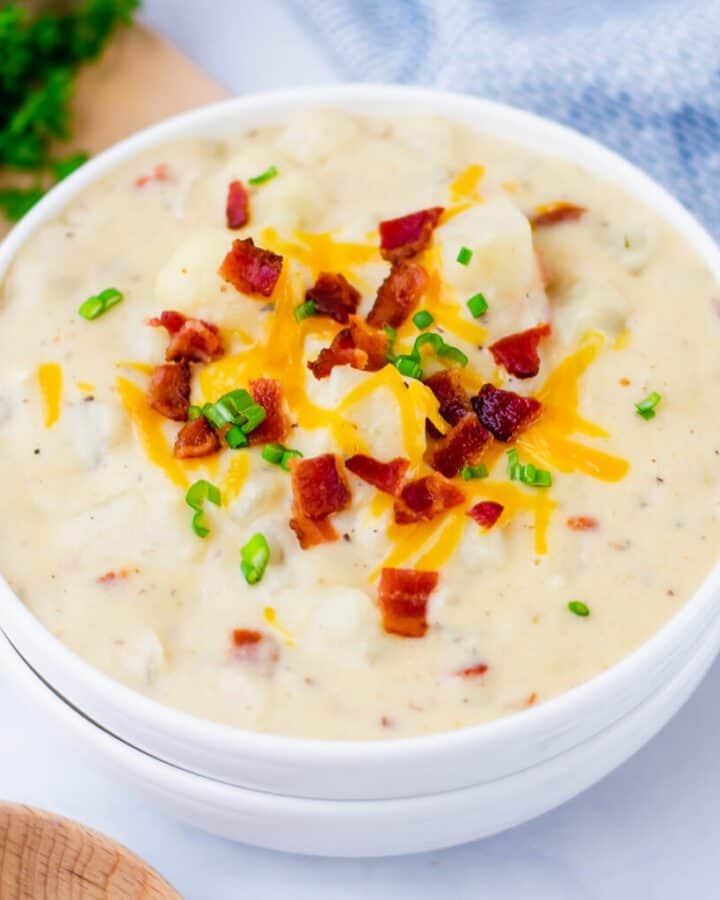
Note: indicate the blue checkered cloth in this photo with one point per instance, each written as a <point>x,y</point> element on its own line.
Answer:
<point>641,76</point>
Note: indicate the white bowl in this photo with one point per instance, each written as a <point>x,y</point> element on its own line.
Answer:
<point>366,770</point>
<point>360,827</point>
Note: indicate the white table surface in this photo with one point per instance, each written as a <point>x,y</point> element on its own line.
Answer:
<point>647,832</point>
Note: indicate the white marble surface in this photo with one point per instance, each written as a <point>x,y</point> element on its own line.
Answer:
<point>648,832</point>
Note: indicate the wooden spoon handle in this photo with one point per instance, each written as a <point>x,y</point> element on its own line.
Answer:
<point>46,857</point>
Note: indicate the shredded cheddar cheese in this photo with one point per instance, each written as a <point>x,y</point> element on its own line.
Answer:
<point>270,616</point>
<point>50,377</point>
<point>465,184</point>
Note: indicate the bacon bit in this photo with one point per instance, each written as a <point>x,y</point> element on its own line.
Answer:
<point>196,341</point>
<point>159,173</point>
<point>237,208</point>
<point>357,346</point>
<point>334,296</point>
<point>311,533</point>
<point>461,446</point>
<point>425,498</point>
<point>169,390</point>
<point>473,671</point>
<point>268,393</point>
<point>450,394</point>
<point>555,213</point>
<point>196,439</point>
<point>398,295</point>
<point>531,699</point>
<point>319,486</point>
<point>403,596</point>
<point>385,476</point>
<point>518,353</point>
<point>404,237</point>
<point>582,523</point>
<point>253,646</point>
<point>119,575</point>
<point>169,319</point>
<point>486,513</point>
<point>250,269</point>
<point>504,413</point>
<point>386,721</point>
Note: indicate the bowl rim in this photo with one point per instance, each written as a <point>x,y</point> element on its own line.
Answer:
<point>521,127</point>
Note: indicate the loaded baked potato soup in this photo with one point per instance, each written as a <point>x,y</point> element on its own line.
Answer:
<point>356,428</point>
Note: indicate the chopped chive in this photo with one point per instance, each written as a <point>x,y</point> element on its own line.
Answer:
<point>235,437</point>
<point>528,474</point>
<point>287,456</point>
<point>514,468</point>
<point>254,416</point>
<point>305,310</point>
<point>477,305</point>
<point>392,337</point>
<point>96,306</point>
<point>464,256</point>
<point>469,473</point>
<point>194,412</point>
<point>273,453</point>
<point>197,494</point>
<point>646,407</point>
<point>409,366</point>
<point>453,353</point>
<point>423,319</point>
<point>267,175</point>
<point>435,340</point>
<point>254,557</point>
<point>579,608</point>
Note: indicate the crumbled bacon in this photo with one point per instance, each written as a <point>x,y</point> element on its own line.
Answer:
<point>358,346</point>
<point>319,486</point>
<point>555,213</point>
<point>473,671</point>
<point>116,575</point>
<point>159,173</point>
<point>311,533</point>
<point>425,498</point>
<point>385,476</point>
<point>196,439</point>
<point>196,341</point>
<point>581,523</point>
<point>460,447</point>
<point>169,390</point>
<point>518,353</point>
<point>334,296</point>
<point>504,413</point>
<point>486,513</point>
<point>170,319</point>
<point>398,295</point>
<point>251,269</point>
<point>404,237</point>
<point>255,647</point>
<point>403,596</point>
<point>451,395</point>
<point>268,393</point>
<point>237,207</point>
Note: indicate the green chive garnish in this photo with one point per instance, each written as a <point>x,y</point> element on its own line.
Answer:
<point>423,319</point>
<point>469,473</point>
<point>409,366</point>
<point>453,353</point>
<point>392,337</point>
<point>254,416</point>
<point>440,347</point>
<point>477,305</point>
<point>305,310</point>
<point>235,437</point>
<point>529,474</point>
<point>267,175</point>
<point>194,412</point>
<point>197,494</point>
<point>646,407</point>
<point>96,306</point>
<point>254,557</point>
<point>279,455</point>
<point>237,409</point>
<point>464,256</point>
<point>579,608</point>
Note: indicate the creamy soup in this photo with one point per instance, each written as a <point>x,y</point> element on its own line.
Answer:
<point>357,428</point>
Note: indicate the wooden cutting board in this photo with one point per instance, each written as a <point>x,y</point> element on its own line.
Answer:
<point>138,81</point>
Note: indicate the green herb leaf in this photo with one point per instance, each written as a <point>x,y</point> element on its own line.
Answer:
<point>15,202</point>
<point>62,168</point>
<point>646,407</point>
